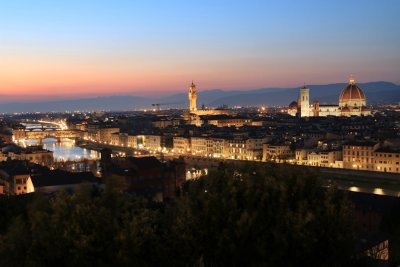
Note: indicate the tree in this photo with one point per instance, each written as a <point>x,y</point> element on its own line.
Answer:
<point>256,217</point>
<point>234,216</point>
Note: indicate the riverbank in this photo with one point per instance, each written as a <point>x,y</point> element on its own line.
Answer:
<point>128,151</point>
<point>351,180</point>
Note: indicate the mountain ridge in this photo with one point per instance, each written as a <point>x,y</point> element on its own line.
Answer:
<point>376,92</point>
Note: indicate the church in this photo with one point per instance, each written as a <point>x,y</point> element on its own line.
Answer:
<point>352,102</point>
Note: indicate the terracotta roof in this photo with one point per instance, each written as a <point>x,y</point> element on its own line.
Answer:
<point>145,162</point>
<point>360,143</point>
<point>388,150</point>
<point>351,92</point>
<point>59,177</point>
<point>293,104</point>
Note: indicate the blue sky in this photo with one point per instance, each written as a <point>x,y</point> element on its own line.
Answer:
<point>69,48</point>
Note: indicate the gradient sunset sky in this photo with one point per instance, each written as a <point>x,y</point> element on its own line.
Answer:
<point>65,49</point>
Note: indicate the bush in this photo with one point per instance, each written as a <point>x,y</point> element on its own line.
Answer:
<point>237,217</point>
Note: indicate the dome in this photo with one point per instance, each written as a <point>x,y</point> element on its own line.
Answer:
<point>351,93</point>
<point>365,109</point>
<point>293,105</point>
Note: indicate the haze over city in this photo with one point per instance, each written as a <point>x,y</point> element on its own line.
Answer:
<point>73,49</point>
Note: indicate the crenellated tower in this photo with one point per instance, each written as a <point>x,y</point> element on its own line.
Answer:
<point>192,97</point>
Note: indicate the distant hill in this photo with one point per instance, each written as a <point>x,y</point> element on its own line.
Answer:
<point>98,103</point>
<point>376,92</point>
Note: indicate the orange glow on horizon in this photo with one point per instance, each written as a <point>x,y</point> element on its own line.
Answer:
<point>58,75</point>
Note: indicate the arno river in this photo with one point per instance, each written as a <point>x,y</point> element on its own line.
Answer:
<point>63,150</point>
<point>67,150</point>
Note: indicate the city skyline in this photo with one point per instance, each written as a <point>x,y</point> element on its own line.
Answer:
<point>199,133</point>
<point>73,49</point>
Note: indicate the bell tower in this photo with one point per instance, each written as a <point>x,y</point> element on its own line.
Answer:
<point>192,97</point>
<point>305,102</point>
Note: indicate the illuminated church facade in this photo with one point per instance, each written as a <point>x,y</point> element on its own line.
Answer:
<point>352,102</point>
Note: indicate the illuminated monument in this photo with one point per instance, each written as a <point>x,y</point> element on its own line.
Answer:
<point>352,102</point>
<point>192,97</point>
<point>304,101</point>
<point>193,114</point>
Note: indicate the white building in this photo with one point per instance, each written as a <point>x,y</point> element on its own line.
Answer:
<point>352,102</point>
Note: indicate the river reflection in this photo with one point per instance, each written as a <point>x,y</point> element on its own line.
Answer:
<point>65,149</point>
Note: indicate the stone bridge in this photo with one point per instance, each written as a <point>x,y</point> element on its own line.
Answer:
<point>47,133</point>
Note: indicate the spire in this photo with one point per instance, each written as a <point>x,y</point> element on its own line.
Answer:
<point>352,80</point>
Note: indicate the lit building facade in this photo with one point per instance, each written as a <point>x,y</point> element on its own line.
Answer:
<point>152,142</point>
<point>277,152</point>
<point>235,149</point>
<point>42,157</point>
<point>359,155</point>
<point>181,144</point>
<point>331,159</point>
<point>387,160</point>
<point>352,102</point>
<point>119,139</point>
<point>229,121</point>
<point>132,141</point>
<point>301,156</point>
<point>101,133</point>
<point>199,146</point>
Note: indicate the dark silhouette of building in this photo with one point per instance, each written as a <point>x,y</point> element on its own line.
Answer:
<point>145,176</point>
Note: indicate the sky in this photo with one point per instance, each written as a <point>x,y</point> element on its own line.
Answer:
<point>84,48</point>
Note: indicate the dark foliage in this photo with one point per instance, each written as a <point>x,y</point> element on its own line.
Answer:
<point>231,217</point>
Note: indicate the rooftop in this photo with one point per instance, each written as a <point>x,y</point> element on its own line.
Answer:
<point>360,143</point>
<point>59,177</point>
